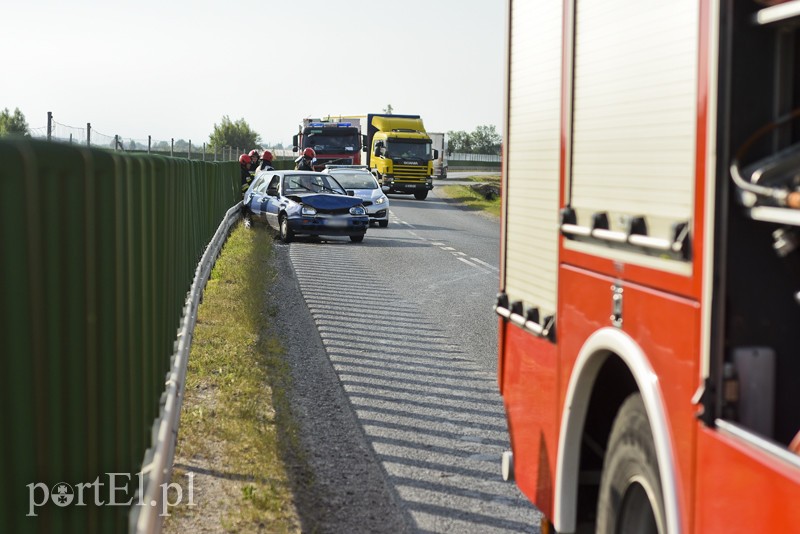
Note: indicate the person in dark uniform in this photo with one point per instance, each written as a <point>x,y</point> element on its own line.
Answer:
<point>244,165</point>
<point>254,160</point>
<point>305,162</point>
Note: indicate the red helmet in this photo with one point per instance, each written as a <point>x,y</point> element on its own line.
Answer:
<point>309,153</point>
<point>244,159</point>
<point>253,154</point>
<point>267,155</point>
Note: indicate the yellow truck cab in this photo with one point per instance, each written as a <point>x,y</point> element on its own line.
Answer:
<point>400,154</point>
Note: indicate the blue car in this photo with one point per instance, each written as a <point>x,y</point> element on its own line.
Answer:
<point>304,203</point>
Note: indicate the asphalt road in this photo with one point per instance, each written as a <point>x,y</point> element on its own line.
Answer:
<point>396,389</point>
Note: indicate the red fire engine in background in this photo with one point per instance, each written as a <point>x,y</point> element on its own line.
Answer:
<point>649,334</point>
<point>336,140</point>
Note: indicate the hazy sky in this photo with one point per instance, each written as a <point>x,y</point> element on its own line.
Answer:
<point>173,68</point>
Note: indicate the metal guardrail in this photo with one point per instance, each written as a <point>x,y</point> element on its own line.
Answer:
<point>97,252</point>
<point>158,460</point>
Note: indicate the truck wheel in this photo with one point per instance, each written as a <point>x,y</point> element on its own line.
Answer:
<point>630,497</point>
<point>421,195</point>
<point>285,232</point>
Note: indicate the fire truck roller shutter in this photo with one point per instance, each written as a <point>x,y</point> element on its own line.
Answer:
<point>635,101</point>
<point>534,123</point>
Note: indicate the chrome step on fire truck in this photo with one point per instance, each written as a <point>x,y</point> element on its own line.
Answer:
<point>649,306</point>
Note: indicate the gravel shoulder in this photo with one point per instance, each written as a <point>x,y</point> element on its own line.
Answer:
<point>345,488</point>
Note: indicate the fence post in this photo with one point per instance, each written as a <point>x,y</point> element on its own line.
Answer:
<point>171,146</point>
<point>204,151</point>
<point>49,124</point>
<point>148,144</point>
<point>70,138</point>
<point>116,142</point>
<point>190,149</point>
<point>88,134</point>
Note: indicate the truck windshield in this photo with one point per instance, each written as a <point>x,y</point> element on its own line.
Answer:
<point>334,141</point>
<point>405,149</point>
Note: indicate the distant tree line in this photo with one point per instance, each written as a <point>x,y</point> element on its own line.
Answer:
<point>13,123</point>
<point>484,140</point>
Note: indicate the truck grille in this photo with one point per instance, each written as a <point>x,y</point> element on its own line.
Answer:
<point>411,172</point>
<point>321,162</point>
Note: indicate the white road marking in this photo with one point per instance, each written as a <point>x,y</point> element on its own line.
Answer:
<point>475,265</point>
<point>492,267</point>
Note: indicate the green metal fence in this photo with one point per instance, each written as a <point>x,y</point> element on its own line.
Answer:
<point>97,252</point>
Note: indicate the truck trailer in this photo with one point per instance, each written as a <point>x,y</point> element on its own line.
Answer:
<point>649,289</point>
<point>399,153</point>
<point>439,143</point>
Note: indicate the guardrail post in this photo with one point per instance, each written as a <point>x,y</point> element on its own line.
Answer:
<point>88,134</point>
<point>171,146</point>
<point>49,124</point>
<point>149,141</point>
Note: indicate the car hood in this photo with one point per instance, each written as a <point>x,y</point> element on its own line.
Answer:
<point>367,194</point>
<point>326,201</point>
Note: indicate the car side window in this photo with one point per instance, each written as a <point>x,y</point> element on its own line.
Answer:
<point>274,182</point>
<point>261,186</point>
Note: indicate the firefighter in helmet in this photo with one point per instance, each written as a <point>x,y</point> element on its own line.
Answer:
<point>266,161</point>
<point>254,160</point>
<point>244,165</point>
<point>305,162</point>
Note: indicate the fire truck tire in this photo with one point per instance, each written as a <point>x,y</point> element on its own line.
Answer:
<point>421,195</point>
<point>631,498</point>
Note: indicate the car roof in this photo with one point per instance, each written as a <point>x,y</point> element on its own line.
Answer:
<point>284,172</point>
<point>349,171</point>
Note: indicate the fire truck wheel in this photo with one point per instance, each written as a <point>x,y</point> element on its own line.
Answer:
<point>630,497</point>
<point>421,195</point>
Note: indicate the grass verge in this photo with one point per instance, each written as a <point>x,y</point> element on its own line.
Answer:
<point>485,178</point>
<point>236,420</point>
<point>472,200</point>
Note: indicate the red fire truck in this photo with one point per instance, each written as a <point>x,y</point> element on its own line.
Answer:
<point>649,329</point>
<point>336,140</point>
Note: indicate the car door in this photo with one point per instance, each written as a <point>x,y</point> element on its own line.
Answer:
<point>259,201</point>
<point>250,195</point>
<point>273,197</point>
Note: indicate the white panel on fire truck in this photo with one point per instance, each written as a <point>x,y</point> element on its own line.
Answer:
<point>533,153</point>
<point>634,114</point>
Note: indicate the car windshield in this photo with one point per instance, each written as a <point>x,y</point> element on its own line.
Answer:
<point>314,183</point>
<point>356,180</point>
<point>409,150</point>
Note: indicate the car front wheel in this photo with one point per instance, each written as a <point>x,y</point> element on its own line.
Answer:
<point>383,224</point>
<point>356,238</point>
<point>285,232</point>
